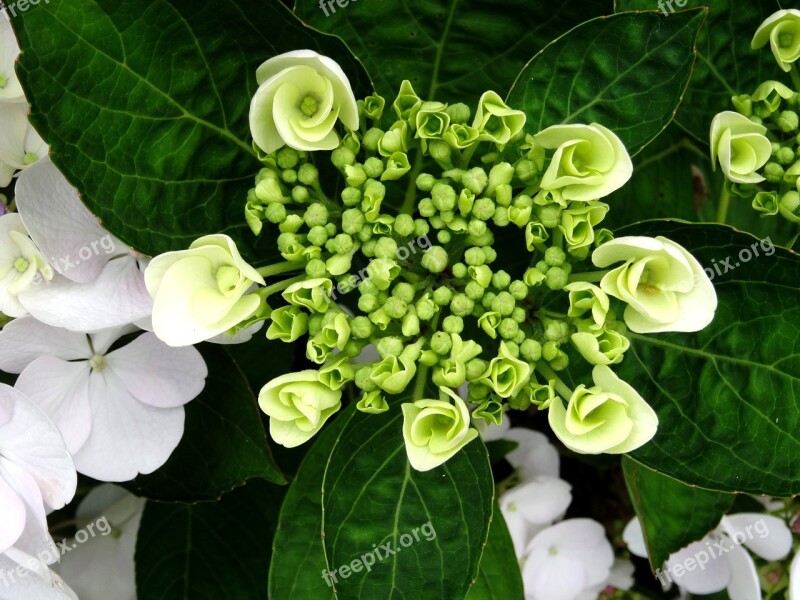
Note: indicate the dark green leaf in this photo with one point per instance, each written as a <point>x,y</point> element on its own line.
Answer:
<point>499,448</point>
<point>425,532</point>
<point>727,397</point>
<point>299,561</point>
<point>726,65</point>
<point>499,577</point>
<point>145,107</point>
<point>627,72</point>
<point>450,50</point>
<point>672,514</point>
<point>212,550</point>
<point>224,443</point>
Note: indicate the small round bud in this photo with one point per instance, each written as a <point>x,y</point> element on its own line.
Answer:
<point>513,348</point>
<point>316,214</point>
<point>410,325</point>
<point>343,157</point>
<point>275,212</point>
<point>459,270</point>
<point>300,194</point>
<point>289,176</point>
<point>368,247</point>
<point>501,280</point>
<point>395,308</point>
<point>368,302</point>
<point>421,228</point>
<point>508,328</point>
<point>525,170</point>
<point>363,380</point>
<point>389,346</point>
<point>504,304</point>
<point>483,209</point>
<point>555,256</point>
<point>316,268</point>
<point>352,221</point>
<point>556,278</point>
<point>784,156</point>
<point>518,289</point>
<point>426,308</point>
<point>500,217</point>
<point>443,236</point>
<point>773,172</point>
<point>549,215</point>
<point>476,228</point>
<point>788,121</point>
<point>475,368</point>
<point>435,259</point>
<point>287,158</point>
<point>443,196</point>
<point>542,266</point>
<point>490,254</point>
<point>291,224</point>
<point>317,235</point>
<point>519,314</point>
<point>385,247</point>
<point>453,324</point>
<point>488,298</point>
<point>442,296</point>
<point>308,174</point>
<point>475,180</point>
<point>342,244</point>
<point>361,328</point>
<point>404,291</point>
<point>474,257</point>
<point>474,290</point>
<point>458,112</point>
<point>404,225</point>
<point>371,139</point>
<point>530,350</point>
<point>373,167</point>
<point>461,305</point>
<point>351,196</point>
<point>441,343</point>
<point>426,207</point>
<point>556,330</point>
<point>425,182</point>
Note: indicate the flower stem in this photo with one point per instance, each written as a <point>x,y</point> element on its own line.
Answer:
<point>281,285</point>
<point>559,385</point>
<point>722,207</point>
<point>278,268</point>
<point>589,276</point>
<point>409,204</point>
<point>795,77</point>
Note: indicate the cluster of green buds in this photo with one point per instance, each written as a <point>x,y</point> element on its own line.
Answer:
<point>455,248</point>
<point>758,148</point>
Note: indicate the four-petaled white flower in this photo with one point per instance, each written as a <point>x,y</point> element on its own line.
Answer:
<point>10,89</point>
<point>87,567</point>
<point>21,264</point>
<point>20,144</point>
<point>120,411</point>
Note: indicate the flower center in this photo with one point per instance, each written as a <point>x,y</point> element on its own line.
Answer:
<point>553,551</point>
<point>3,81</point>
<point>785,39</point>
<point>30,158</point>
<point>227,278</point>
<point>21,264</point>
<point>98,362</point>
<point>309,106</point>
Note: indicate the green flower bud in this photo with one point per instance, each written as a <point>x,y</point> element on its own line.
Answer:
<point>461,305</point>
<point>288,324</point>
<point>453,324</point>
<point>443,236</point>
<point>520,316</point>
<point>600,347</point>
<point>585,297</point>
<point>459,112</point>
<point>372,107</point>
<point>530,350</point>
<point>501,280</point>
<point>287,158</point>
<point>373,167</point>
<point>765,202</point>
<point>426,307</point>
<point>410,325</point>
<point>504,304</point>
<point>396,166</point>
<point>308,174</point>
<point>477,393</point>
<point>363,380</point>
<point>360,327</point>
<point>533,277</point>
<point>474,257</point>
<point>443,196</point>
<point>785,156</point>
<point>475,180</point>
<point>474,290</point>
<point>441,343</point>
<point>518,289</point>
<point>442,296</point>
<point>315,268</point>
<point>343,157</point>
<point>383,225</point>
<point>431,120</point>
<point>352,221</point>
<point>355,175</point>
<point>368,303</point>
<point>556,330</point>
<point>503,195</point>
<point>382,271</point>
<point>268,191</point>
<point>773,172</point>
<point>394,140</point>
<point>389,346</point>
<point>506,374</point>
<point>557,278</point>
<point>393,373</point>
<point>508,328</point>
<point>475,368</point>
<point>351,196</point>
<point>788,121</point>
<point>380,319</point>
<point>404,291</point>
<point>525,170</point>
<point>549,216</point>
<point>489,322</point>
<point>496,121</point>
<point>374,193</point>
<point>425,182</point>
<point>317,235</point>
<point>500,217</point>
<point>482,274</point>
<point>300,194</point>
<point>790,206</point>
<point>373,403</point>
<point>476,228</point>
<point>395,308</point>
<point>385,247</point>
<point>404,225</point>
<point>435,259</point>
<point>315,323</point>
<point>555,256</point>
<point>336,373</point>
<point>289,176</point>
<point>371,139</point>
<point>483,209</point>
